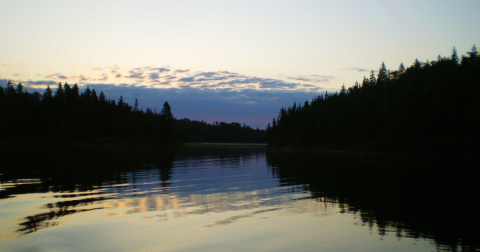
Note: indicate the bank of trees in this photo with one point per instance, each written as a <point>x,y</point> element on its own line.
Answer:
<point>189,131</point>
<point>67,114</point>
<point>429,106</point>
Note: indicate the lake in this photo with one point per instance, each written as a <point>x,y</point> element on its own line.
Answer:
<point>236,198</point>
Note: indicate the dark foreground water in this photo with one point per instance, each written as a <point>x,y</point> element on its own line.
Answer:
<point>228,198</point>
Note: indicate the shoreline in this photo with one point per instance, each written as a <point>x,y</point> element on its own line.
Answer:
<point>226,144</point>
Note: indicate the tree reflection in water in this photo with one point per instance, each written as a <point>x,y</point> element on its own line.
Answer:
<point>416,197</point>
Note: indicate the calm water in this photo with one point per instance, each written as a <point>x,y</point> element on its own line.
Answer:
<point>237,199</point>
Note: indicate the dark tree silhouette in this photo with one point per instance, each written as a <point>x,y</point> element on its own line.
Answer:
<point>431,106</point>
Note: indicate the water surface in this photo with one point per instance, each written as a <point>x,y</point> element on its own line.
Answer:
<point>234,198</point>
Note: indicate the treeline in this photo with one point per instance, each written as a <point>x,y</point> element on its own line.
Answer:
<point>218,132</point>
<point>429,106</point>
<point>67,114</point>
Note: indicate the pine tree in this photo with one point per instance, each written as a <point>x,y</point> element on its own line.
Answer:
<point>59,94</point>
<point>166,112</point>
<point>120,101</point>
<point>167,127</point>
<point>454,56</point>
<point>47,95</point>
<point>75,91</point>
<point>67,89</point>
<point>19,88</point>
<point>474,53</point>
<point>135,109</point>
<point>94,95</point>
<point>10,90</point>
<point>102,97</point>
<point>382,74</point>
<point>342,91</point>
<point>417,64</point>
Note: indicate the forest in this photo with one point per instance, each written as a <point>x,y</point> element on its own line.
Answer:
<point>189,131</point>
<point>428,107</point>
<point>70,115</point>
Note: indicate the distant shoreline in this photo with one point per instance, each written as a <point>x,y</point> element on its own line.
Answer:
<point>226,144</point>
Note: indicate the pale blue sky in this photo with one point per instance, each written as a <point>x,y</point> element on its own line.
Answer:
<point>241,47</point>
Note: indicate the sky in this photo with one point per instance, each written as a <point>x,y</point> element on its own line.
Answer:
<point>231,61</point>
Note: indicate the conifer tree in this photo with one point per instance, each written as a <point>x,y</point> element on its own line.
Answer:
<point>342,91</point>
<point>48,94</point>
<point>474,53</point>
<point>102,97</point>
<point>454,56</point>
<point>59,94</point>
<point>167,124</point>
<point>19,89</point>
<point>382,74</point>
<point>75,91</point>
<point>94,95</point>
<point>136,106</point>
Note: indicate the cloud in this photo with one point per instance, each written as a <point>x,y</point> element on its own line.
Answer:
<point>186,79</point>
<point>113,69</point>
<point>96,69</point>
<point>58,76</point>
<point>158,76</point>
<point>83,78</point>
<point>356,69</point>
<point>154,76</point>
<point>103,78</point>
<point>312,78</point>
<point>80,78</point>
<point>161,69</point>
<point>277,84</point>
<point>42,82</point>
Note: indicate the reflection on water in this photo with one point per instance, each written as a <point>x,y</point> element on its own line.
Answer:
<point>285,196</point>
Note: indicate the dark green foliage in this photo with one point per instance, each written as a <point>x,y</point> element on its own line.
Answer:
<point>429,106</point>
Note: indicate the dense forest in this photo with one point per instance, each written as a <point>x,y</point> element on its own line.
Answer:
<point>427,107</point>
<point>68,114</point>
<point>189,131</point>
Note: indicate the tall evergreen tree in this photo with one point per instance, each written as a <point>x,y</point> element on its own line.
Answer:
<point>47,95</point>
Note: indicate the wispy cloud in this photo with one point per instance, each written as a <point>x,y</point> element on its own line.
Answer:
<point>164,76</point>
<point>57,76</point>
<point>161,69</point>
<point>38,83</point>
<point>182,71</point>
<point>312,78</point>
<point>356,69</point>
